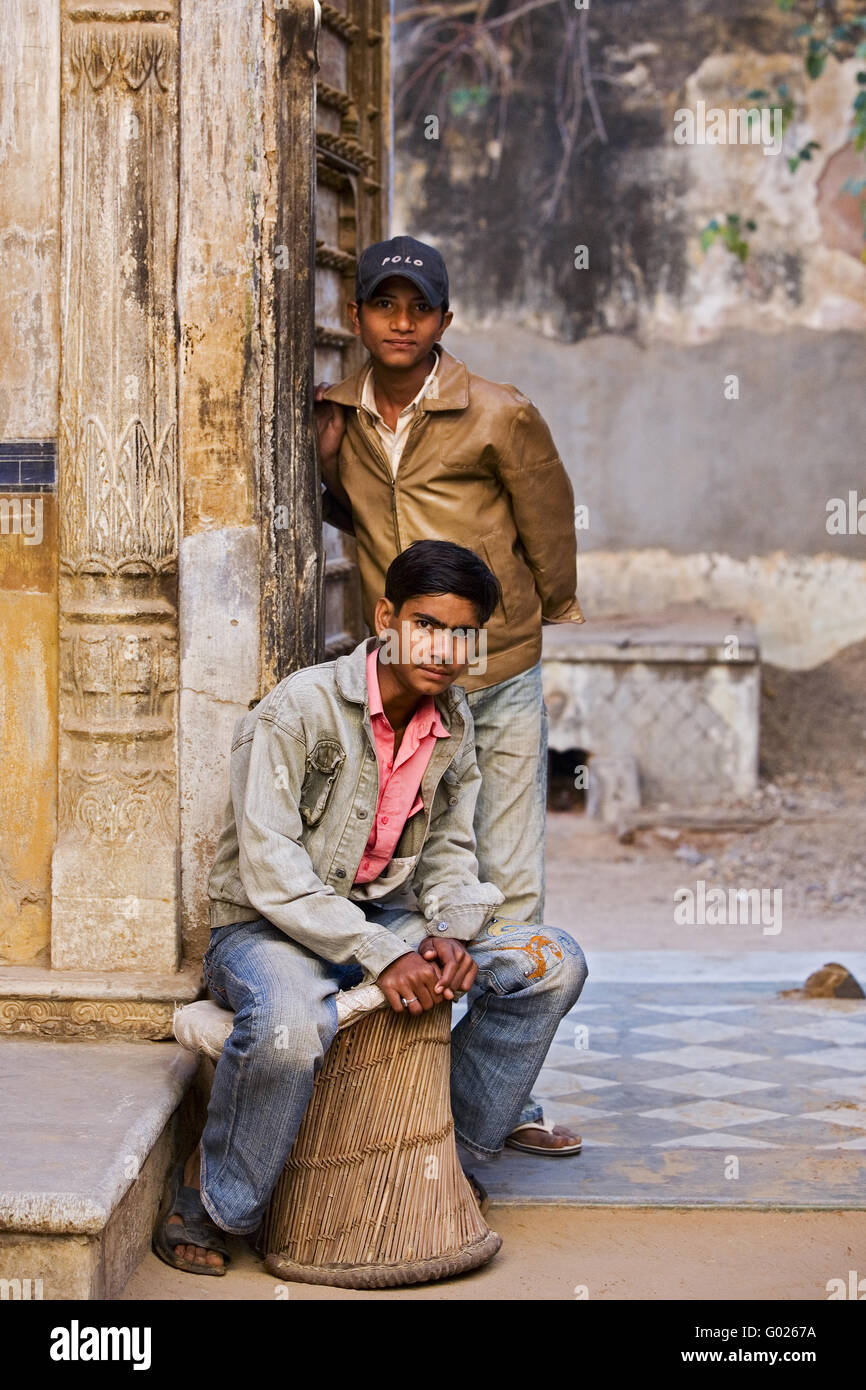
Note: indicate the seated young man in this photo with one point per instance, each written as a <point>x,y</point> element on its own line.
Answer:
<point>352,783</point>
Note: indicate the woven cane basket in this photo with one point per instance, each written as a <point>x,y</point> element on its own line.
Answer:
<point>373,1195</point>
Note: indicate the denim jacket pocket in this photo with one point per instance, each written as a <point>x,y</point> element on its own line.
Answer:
<point>396,874</point>
<point>447,793</point>
<point>323,765</point>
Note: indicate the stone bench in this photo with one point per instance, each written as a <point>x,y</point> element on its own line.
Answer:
<point>673,695</point>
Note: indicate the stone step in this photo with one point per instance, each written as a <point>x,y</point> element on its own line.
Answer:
<point>36,1001</point>
<point>89,1132</point>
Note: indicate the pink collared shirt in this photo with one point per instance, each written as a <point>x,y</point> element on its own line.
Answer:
<point>400,777</point>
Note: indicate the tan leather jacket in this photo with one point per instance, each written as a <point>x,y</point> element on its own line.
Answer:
<point>479,468</point>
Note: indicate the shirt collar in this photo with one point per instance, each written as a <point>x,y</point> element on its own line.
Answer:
<point>452,385</point>
<point>429,720</point>
<point>368,395</point>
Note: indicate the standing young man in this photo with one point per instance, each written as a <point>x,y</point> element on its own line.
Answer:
<point>349,781</point>
<point>413,445</point>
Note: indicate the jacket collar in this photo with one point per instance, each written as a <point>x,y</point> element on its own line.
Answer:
<point>350,673</point>
<point>452,380</point>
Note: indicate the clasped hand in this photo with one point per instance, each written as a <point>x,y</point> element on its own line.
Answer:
<point>439,969</point>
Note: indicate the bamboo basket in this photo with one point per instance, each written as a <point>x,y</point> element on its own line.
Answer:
<point>373,1195</point>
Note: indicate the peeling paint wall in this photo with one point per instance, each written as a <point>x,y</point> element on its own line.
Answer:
<point>29,365</point>
<point>224,178</point>
<point>690,494</point>
<point>28,737</point>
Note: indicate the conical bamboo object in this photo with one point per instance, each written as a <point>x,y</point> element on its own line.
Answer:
<point>373,1195</point>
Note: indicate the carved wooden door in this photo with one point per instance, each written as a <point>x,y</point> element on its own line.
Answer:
<point>352,154</point>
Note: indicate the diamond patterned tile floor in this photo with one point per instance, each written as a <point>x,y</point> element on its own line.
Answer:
<point>850,1058</point>
<point>693,1030</point>
<point>723,1094</point>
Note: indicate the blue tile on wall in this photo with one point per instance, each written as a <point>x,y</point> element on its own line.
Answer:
<point>10,473</point>
<point>28,465</point>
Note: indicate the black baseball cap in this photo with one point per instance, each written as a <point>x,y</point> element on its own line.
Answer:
<point>405,256</point>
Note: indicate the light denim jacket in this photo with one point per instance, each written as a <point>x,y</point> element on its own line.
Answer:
<point>304,790</point>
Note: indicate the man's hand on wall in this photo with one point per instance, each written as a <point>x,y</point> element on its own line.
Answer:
<point>330,426</point>
<point>330,421</point>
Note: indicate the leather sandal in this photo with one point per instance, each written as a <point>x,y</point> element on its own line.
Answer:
<point>561,1152</point>
<point>195,1228</point>
<point>480,1193</point>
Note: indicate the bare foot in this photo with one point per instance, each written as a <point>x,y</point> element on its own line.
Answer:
<point>195,1254</point>
<point>539,1138</point>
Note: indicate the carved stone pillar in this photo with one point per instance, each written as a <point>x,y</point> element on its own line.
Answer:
<point>115,870</point>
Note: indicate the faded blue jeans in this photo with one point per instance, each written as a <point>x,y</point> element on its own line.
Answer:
<point>511,747</point>
<point>510,721</point>
<point>286,1018</point>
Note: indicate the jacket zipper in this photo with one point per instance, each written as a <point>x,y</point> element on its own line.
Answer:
<point>377,447</point>
<point>397,540</point>
<point>374,441</point>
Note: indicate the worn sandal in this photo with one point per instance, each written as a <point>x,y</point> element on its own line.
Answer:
<point>195,1228</point>
<point>480,1193</point>
<point>562,1152</point>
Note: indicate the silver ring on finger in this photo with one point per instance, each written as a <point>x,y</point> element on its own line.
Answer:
<point>407,1002</point>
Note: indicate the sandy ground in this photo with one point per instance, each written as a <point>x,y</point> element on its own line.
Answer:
<point>550,1252</point>
<point>614,896</point>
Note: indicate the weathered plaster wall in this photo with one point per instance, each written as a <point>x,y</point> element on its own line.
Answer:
<point>29,354</point>
<point>223,179</point>
<point>30,231</point>
<point>28,736</point>
<point>690,495</point>
<point>662,458</point>
<point>695,498</point>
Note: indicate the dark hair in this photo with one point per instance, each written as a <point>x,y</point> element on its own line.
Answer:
<point>441,567</point>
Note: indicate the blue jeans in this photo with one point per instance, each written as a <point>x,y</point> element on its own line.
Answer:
<point>286,1018</point>
<point>511,747</point>
<point>511,811</point>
